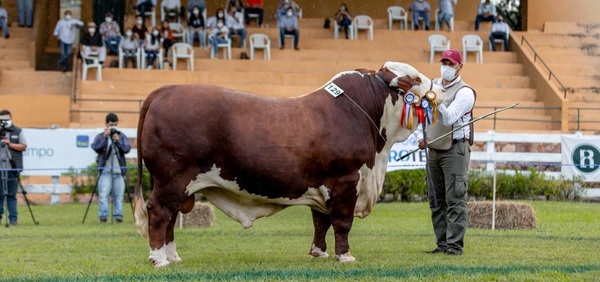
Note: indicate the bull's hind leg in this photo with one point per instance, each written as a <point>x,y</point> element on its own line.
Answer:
<point>159,218</point>
<point>321,222</point>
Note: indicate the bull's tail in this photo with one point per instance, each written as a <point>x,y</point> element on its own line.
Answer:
<point>140,212</point>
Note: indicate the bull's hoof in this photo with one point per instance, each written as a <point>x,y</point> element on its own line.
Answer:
<point>159,262</point>
<point>316,252</point>
<point>347,257</point>
<point>175,258</point>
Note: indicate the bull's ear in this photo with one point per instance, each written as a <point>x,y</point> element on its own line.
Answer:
<point>406,82</point>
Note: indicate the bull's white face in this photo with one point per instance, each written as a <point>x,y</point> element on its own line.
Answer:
<point>402,69</point>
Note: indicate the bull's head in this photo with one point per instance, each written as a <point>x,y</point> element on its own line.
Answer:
<point>406,78</point>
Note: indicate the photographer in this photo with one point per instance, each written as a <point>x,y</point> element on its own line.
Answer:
<point>12,146</point>
<point>111,146</point>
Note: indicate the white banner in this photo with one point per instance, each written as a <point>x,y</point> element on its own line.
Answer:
<point>414,161</point>
<point>54,151</point>
<point>581,156</point>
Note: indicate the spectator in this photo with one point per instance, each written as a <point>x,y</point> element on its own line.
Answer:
<point>11,160</point>
<point>152,46</point>
<point>170,8</point>
<point>420,9</point>
<point>218,35</point>
<point>238,4</point>
<point>196,26</point>
<point>4,22</point>
<point>111,33</point>
<point>235,23</point>
<point>66,30</point>
<point>485,12</point>
<point>167,34</point>
<point>129,46</point>
<point>139,30</point>
<point>283,6</point>
<point>288,25</point>
<point>201,4</point>
<point>254,7</point>
<point>343,17</point>
<point>448,160</point>
<point>25,10</point>
<point>219,15</point>
<point>92,44</point>
<point>144,6</point>
<point>499,31</point>
<point>446,12</point>
<point>111,146</point>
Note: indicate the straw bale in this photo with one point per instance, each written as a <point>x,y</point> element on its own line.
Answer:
<point>202,215</point>
<point>509,215</point>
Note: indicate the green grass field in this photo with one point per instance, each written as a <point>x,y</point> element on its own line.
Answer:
<point>389,245</point>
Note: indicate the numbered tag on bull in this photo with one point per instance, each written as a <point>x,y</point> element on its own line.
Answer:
<point>333,89</point>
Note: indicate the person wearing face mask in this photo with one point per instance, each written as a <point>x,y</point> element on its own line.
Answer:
<point>139,29</point>
<point>499,30</point>
<point>201,4</point>
<point>344,19</point>
<point>152,46</point>
<point>448,159</point>
<point>218,35</point>
<point>238,4</point>
<point>12,146</point>
<point>4,21</point>
<point>288,25</point>
<point>66,30</point>
<point>219,15</point>
<point>111,145</point>
<point>167,35</point>
<point>111,33</point>
<point>420,9</point>
<point>486,12</point>
<point>446,12</point>
<point>283,6</point>
<point>92,43</point>
<point>196,27</point>
<point>235,22</point>
<point>129,46</point>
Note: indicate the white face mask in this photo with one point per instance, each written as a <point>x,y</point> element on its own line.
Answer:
<point>140,22</point>
<point>342,8</point>
<point>448,73</point>
<point>219,25</point>
<point>155,33</point>
<point>289,14</point>
<point>108,19</point>
<point>220,15</point>
<point>128,33</point>
<point>68,17</point>
<point>196,12</point>
<point>91,30</point>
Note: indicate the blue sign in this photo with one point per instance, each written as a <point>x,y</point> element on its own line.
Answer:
<point>83,141</point>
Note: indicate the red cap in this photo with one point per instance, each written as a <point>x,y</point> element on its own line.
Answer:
<point>452,55</point>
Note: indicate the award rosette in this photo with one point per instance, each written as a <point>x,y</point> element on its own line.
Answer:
<point>406,118</point>
<point>431,110</point>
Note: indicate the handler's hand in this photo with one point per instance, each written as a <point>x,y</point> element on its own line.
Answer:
<point>421,144</point>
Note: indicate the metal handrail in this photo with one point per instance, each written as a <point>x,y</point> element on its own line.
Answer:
<point>550,72</point>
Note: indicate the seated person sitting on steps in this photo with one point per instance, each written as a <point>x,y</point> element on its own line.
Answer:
<point>196,26</point>
<point>171,8</point>
<point>485,12</point>
<point>152,45</point>
<point>167,34</point>
<point>91,42</point>
<point>218,35</point>
<point>139,30</point>
<point>420,9</point>
<point>111,33</point>
<point>343,17</point>
<point>283,6</point>
<point>201,4</point>
<point>288,25</point>
<point>235,23</point>
<point>499,31</point>
<point>145,6</point>
<point>238,4</point>
<point>4,21</point>
<point>130,46</point>
<point>446,13</point>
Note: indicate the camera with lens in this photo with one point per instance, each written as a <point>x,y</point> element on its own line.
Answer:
<point>114,130</point>
<point>4,125</point>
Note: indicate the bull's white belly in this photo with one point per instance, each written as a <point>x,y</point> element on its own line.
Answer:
<point>245,207</point>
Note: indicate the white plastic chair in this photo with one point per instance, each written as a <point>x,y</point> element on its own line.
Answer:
<point>397,13</point>
<point>122,57</point>
<point>437,25</point>
<point>363,22</point>
<point>496,40</point>
<point>158,61</point>
<point>90,61</point>
<point>179,32</point>
<point>171,14</point>
<point>260,41</point>
<point>336,30</point>
<point>183,51</point>
<point>437,43</point>
<point>152,15</point>
<point>226,52</point>
<point>253,16</point>
<point>473,43</point>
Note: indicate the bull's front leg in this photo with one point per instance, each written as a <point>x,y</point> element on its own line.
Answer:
<point>321,222</point>
<point>341,211</point>
<point>171,248</point>
<point>158,219</point>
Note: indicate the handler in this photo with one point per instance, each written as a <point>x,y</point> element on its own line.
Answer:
<point>448,159</point>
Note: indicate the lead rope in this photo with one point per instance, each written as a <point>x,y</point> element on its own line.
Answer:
<point>370,119</point>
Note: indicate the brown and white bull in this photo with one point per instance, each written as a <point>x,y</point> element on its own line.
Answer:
<point>253,156</point>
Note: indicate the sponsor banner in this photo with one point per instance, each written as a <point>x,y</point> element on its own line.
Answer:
<point>54,151</point>
<point>414,161</point>
<point>581,156</point>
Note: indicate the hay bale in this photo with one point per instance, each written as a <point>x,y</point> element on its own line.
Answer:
<point>508,215</point>
<point>202,215</point>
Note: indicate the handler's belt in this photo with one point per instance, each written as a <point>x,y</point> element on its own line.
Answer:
<point>456,141</point>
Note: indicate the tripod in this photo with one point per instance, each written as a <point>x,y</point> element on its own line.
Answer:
<point>5,167</point>
<point>112,147</point>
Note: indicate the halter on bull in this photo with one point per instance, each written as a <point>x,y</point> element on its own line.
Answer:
<point>252,156</point>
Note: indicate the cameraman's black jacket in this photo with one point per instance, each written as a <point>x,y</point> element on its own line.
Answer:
<point>17,157</point>
<point>100,145</point>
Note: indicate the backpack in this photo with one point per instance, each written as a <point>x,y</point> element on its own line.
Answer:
<point>327,23</point>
